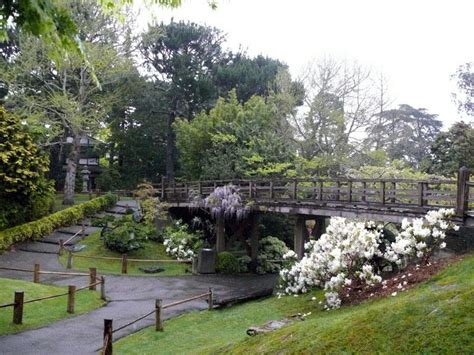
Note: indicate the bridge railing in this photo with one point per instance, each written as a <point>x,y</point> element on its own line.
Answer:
<point>439,193</point>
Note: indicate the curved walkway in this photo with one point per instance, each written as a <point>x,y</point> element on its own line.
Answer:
<point>130,297</point>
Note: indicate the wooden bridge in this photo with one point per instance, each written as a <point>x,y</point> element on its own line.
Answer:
<point>388,200</point>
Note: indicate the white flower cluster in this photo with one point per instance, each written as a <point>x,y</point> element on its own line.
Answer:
<point>345,253</point>
<point>179,249</point>
<point>421,237</point>
<point>341,254</point>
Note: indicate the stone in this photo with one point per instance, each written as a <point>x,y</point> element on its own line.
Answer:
<point>207,261</point>
<point>151,269</point>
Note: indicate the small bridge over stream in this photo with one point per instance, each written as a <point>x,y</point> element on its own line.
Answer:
<point>388,200</point>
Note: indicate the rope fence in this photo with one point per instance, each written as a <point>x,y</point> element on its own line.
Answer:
<point>124,260</point>
<point>159,307</point>
<point>19,296</point>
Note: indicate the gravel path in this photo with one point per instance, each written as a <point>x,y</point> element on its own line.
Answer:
<point>129,297</point>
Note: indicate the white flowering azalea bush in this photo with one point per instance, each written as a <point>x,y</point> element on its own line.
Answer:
<point>421,237</point>
<point>349,254</point>
<point>180,243</point>
<point>343,255</point>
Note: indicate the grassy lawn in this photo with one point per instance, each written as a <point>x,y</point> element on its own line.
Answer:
<point>40,313</point>
<point>78,198</point>
<point>437,316</point>
<point>152,250</point>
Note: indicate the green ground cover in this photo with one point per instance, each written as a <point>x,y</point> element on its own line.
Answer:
<point>78,198</point>
<point>151,250</point>
<point>437,316</point>
<point>40,313</point>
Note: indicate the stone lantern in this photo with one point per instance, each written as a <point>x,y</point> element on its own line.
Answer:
<point>85,179</point>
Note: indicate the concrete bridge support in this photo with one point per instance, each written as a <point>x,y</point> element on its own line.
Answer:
<point>301,235</point>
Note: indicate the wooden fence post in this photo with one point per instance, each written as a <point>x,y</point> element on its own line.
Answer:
<point>349,188</point>
<point>36,274</point>
<point>18,307</point>
<point>338,194</point>
<point>364,188</point>
<point>162,187</point>
<point>92,278</point>
<point>107,349</point>
<point>83,230</point>
<point>462,192</point>
<point>69,260</point>
<point>61,247</point>
<point>211,299</point>
<point>200,188</point>
<point>295,189</point>
<point>124,263</point>
<point>271,190</point>
<point>102,288</point>
<point>320,192</point>
<point>250,189</point>
<point>158,309</point>
<point>71,291</point>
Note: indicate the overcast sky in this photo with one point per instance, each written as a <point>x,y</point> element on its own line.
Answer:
<point>417,44</point>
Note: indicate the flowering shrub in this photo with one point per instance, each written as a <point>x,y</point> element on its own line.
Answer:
<point>224,201</point>
<point>346,254</point>
<point>421,237</point>
<point>342,254</point>
<point>181,244</point>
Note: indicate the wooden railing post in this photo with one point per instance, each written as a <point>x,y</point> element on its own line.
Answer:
<point>200,188</point>
<point>421,189</point>
<point>69,260</point>
<point>18,307</point>
<point>349,188</point>
<point>210,300</point>
<point>338,186</point>
<point>107,349</point>
<point>61,247</point>
<point>102,288</point>
<point>83,230</point>
<point>92,278</point>
<point>271,190</point>
<point>462,191</point>
<point>250,189</point>
<point>364,188</point>
<point>71,291</point>
<point>124,263</point>
<point>382,192</point>
<point>162,187</point>
<point>295,189</point>
<point>158,321</point>
<point>320,192</point>
<point>393,194</point>
<point>36,274</point>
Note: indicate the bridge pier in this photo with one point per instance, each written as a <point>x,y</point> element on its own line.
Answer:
<point>301,235</point>
<point>254,237</point>
<point>320,226</point>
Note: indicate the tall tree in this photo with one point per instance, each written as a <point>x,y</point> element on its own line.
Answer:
<point>62,95</point>
<point>465,80</point>
<point>453,149</point>
<point>183,57</point>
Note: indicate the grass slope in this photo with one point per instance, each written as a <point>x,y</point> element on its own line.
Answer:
<point>151,250</point>
<point>437,316</point>
<point>40,313</point>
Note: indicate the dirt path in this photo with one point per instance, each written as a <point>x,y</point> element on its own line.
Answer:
<point>130,297</point>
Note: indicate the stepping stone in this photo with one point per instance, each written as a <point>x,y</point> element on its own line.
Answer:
<point>118,210</point>
<point>74,229</point>
<point>127,204</point>
<point>55,237</point>
<point>37,247</point>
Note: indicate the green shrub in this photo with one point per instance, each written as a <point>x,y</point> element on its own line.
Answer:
<point>227,263</point>
<point>180,243</point>
<point>44,226</point>
<point>126,235</point>
<point>270,248</point>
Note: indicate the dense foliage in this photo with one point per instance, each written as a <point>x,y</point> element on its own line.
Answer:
<point>180,243</point>
<point>227,263</point>
<point>25,194</point>
<point>44,226</point>
<point>126,235</point>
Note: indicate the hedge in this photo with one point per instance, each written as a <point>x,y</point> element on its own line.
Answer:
<point>37,229</point>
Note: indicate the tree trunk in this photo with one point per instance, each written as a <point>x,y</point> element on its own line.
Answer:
<point>71,170</point>
<point>170,147</point>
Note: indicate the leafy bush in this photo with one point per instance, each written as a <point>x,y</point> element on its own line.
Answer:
<point>270,248</point>
<point>244,262</point>
<point>25,193</point>
<point>46,225</point>
<point>227,263</point>
<point>126,235</point>
<point>180,243</point>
